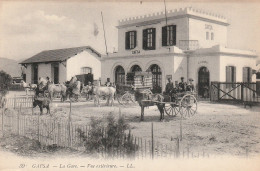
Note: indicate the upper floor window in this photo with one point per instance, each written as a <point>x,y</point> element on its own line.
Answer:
<point>230,74</point>
<point>212,36</point>
<point>130,40</point>
<point>207,35</point>
<point>149,39</point>
<point>247,74</point>
<point>86,70</point>
<point>169,35</point>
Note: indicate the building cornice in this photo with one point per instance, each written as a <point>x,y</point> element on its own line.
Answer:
<point>223,54</point>
<point>143,56</point>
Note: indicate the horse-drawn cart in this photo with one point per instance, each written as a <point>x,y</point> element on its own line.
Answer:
<point>141,81</point>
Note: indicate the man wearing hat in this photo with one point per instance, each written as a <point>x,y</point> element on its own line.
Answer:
<point>169,87</point>
<point>182,85</point>
<point>190,86</point>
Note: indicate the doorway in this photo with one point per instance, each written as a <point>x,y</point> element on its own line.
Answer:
<point>203,82</point>
<point>34,74</point>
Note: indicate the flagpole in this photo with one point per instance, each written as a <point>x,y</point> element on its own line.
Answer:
<point>104,32</point>
<point>165,12</point>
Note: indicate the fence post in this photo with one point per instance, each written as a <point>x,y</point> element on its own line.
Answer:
<point>177,147</point>
<point>69,120</point>
<point>152,142</point>
<point>242,92</point>
<point>3,113</point>
<point>38,127</point>
<point>181,127</point>
<point>14,101</point>
<point>18,120</point>
<point>218,89</point>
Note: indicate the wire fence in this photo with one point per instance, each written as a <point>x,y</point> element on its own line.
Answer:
<point>60,132</point>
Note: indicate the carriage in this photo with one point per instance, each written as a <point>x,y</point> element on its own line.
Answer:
<point>183,103</point>
<point>141,81</point>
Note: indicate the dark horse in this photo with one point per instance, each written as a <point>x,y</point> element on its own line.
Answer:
<point>145,100</point>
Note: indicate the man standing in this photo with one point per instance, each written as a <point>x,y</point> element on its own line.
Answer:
<point>182,85</point>
<point>190,86</point>
<point>169,87</point>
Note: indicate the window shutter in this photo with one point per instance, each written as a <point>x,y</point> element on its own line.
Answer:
<point>250,75</point>
<point>164,36</point>
<point>228,74</point>
<point>145,39</point>
<point>127,40</point>
<point>135,39</point>
<point>174,35</point>
<point>153,38</point>
<point>234,75</point>
<point>245,74</point>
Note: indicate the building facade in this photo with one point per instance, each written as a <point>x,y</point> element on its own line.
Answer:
<point>62,64</point>
<point>191,43</point>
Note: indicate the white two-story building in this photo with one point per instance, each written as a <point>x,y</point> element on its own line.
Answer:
<point>190,43</point>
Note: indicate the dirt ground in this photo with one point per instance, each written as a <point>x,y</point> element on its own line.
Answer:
<point>217,129</point>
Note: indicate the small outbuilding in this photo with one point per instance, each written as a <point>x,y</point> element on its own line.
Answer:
<point>62,64</point>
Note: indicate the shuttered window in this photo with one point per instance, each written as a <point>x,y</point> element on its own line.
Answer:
<point>247,74</point>
<point>230,74</point>
<point>149,39</point>
<point>130,40</point>
<point>169,35</point>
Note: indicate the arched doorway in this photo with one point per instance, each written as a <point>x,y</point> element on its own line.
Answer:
<point>119,75</point>
<point>135,68</point>
<point>203,82</point>
<point>156,78</point>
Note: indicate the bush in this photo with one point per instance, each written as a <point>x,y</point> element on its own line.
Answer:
<point>5,82</point>
<point>110,138</point>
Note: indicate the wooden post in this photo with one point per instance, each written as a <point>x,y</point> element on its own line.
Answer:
<point>3,113</point>
<point>18,120</point>
<point>181,127</point>
<point>69,120</point>
<point>14,101</point>
<point>178,147</point>
<point>242,92</point>
<point>38,127</point>
<point>218,89</point>
<point>152,142</point>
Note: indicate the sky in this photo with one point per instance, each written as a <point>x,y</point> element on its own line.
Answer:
<point>29,27</point>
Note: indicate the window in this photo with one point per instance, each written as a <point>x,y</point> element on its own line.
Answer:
<point>86,70</point>
<point>230,74</point>
<point>207,35</point>
<point>156,78</point>
<point>169,35</point>
<point>212,36</point>
<point>149,39</point>
<point>119,75</point>
<point>130,40</point>
<point>247,74</point>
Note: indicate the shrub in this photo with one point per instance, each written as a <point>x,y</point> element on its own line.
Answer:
<point>5,82</point>
<point>110,138</point>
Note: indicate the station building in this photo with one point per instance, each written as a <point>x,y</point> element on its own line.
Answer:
<point>191,43</point>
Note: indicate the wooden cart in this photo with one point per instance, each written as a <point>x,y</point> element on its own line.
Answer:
<point>134,81</point>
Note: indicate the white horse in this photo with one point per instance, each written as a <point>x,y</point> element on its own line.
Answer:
<point>100,91</point>
<point>54,89</point>
<point>28,87</point>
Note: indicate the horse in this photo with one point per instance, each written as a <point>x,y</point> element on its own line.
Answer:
<point>73,88</point>
<point>60,88</point>
<point>101,91</point>
<point>145,100</point>
<point>27,86</point>
<point>87,90</point>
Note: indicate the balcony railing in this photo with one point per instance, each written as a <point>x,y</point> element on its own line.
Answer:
<point>188,44</point>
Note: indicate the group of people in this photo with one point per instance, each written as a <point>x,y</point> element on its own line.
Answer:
<point>178,87</point>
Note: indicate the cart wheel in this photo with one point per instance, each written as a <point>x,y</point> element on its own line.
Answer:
<point>171,109</point>
<point>188,106</point>
<point>126,99</point>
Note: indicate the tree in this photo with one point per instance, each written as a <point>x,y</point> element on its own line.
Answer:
<point>5,82</point>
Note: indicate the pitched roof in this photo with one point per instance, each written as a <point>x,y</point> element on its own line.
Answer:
<point>58,55</point>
